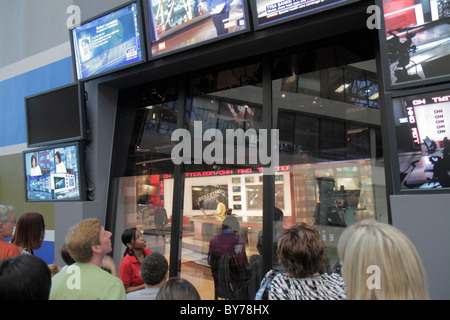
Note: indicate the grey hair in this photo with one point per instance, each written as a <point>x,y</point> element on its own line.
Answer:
<point>5,212</point>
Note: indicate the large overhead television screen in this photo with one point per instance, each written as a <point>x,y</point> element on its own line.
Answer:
<point>270,12</point>
<point>54,173</point>
<point>110,42</point>
<point>175,25</point>
<point>416,35</point>
<point>422,128</point>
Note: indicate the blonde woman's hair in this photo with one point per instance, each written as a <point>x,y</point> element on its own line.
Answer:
<point>81,237</point>
<point>370,243</point>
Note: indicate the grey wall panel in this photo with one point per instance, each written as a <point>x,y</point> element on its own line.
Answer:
<point>28,27</point>
<point>425,219</point>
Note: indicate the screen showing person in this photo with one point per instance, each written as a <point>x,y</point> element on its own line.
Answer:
<point>60,166</point>
<point>53,173</point>
<point>35,170</point>
<point>421,125</point>
<point>108,43</point>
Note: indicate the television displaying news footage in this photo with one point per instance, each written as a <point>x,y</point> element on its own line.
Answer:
<point>108,43</point>
<point>271,11</point>
<point>417,39</point>
<point>176,24</point>
<point>422,124</point>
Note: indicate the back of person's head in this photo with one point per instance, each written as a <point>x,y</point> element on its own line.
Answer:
<point>177,289</point>
<point>373,249</point>
<point>30,231</point>
<point>81,237</point>
<point>154,268</point>
<point>24,277</point>
<point>231,223</point>
<point>301,250</point>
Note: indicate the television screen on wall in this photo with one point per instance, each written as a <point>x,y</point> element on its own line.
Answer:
<point>54,173</point>
<point>204,197</point>
<point>422,129</point>
<point>415,41</point>
<point>270,12</point>
<point>109,42</point>
<point>55,116</point>
<point>174,25</point>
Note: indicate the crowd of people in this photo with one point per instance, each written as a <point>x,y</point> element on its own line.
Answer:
<point>377,262</point>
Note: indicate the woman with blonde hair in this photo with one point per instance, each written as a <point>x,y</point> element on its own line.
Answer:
<point>380,263</point>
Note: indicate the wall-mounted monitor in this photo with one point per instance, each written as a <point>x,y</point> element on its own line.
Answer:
<point>175,25</point>
<point>204,197</point>
<point>109,42</point>
<point>55,173</point>
<point>55,116</point>
<point>271,12</point>
<point>422,130</point>
<point>415,42</point>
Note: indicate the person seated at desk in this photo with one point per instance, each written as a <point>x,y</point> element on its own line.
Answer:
<point>221,208</point>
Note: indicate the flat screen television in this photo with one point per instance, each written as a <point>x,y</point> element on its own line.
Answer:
<point>271,12</point>
<point>109,42</point>
<point>174,25</point>
<point>415,42</point>
<point>422,129</point>
<point>54,173</point>
<point>55,116</point>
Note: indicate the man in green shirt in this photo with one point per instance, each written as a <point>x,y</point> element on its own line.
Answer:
<point>87,242</point>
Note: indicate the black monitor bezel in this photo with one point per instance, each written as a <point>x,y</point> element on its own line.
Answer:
<point>81,111</point>
<point>142,40</point>
<point>81,172</point>
<point>148,19</point>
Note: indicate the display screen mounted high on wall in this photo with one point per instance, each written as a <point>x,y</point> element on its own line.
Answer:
<point>270,12</point>
<point>416,41</point>
<point>108,42</point>
<point>422,128</point>
<point>175,25</point>
<point>54,173</point>
<point>55,116</point>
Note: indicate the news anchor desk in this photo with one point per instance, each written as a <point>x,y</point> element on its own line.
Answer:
<point>207,226</point>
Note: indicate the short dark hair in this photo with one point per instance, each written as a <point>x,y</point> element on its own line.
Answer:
<point>178,289</point>
<point>154,268</point>
<point>24,277</point>
<point>301,250</point>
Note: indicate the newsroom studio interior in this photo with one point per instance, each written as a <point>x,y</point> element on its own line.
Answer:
<point>95,117</point>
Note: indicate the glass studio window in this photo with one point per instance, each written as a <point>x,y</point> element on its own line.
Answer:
<point>325,107</point>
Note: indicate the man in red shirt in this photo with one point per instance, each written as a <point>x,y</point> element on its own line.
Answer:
<point>7,223</point>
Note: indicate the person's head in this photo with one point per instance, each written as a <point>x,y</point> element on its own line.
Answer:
<point>24,277</point>
<point>58,157</point>
<point>231,223</point>
<point>7,221</point>
<point>301,250</point>
<point>30,231</point>
<point>277,214</point>
<point>154,269</point>
<point>373,249</point>
<point>133,239</point>
<point>220,198</point>
<point>33,161</point>
<point>177,289</point>
<point>88,238</point>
